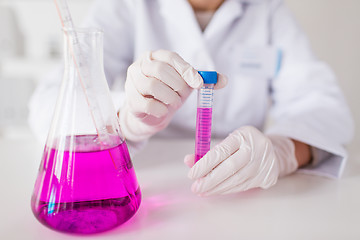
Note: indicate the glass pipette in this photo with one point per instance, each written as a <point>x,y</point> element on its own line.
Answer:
<point>83,73</point>
<point>82,70</point>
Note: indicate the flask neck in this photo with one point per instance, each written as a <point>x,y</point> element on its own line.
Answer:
<point>83,51</point>
<point>84,106</point>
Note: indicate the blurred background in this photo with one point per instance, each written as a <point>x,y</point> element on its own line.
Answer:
<point>31,45</point>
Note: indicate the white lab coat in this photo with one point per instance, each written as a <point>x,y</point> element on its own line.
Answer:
<point>302,100</point>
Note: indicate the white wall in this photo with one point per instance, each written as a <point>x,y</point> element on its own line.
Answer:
<point>39,28</point>
<point>333,27</point>
<point>40,23</point>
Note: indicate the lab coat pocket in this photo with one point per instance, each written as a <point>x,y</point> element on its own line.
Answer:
<point>257,61</point>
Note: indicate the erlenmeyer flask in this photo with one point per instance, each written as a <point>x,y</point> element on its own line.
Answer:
<point>86,181</point>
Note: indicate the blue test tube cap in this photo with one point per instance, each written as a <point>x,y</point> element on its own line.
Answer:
<point>209,77</point>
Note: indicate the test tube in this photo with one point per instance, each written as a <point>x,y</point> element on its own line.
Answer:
<point>204,114</point>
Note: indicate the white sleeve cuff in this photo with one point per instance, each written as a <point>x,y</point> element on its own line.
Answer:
<point>329,158</point>
<point>325,164</point>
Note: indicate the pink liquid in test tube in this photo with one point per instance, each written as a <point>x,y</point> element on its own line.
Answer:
<point>203,132</point>
<point>204,114</point>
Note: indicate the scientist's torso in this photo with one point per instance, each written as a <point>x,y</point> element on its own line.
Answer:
<point>235,43</point>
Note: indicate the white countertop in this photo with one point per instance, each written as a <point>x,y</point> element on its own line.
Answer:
<point>298,207</point>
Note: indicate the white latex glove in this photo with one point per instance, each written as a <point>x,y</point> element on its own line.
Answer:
<point>245,159</point>
<point>156,86</point>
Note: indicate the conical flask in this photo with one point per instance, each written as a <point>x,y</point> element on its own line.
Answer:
<point>86,181</point>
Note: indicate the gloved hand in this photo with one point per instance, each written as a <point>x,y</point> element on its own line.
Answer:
<point>245,159</point>
<point>156,86</point>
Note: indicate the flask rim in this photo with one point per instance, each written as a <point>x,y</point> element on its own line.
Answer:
<point>82,30</point>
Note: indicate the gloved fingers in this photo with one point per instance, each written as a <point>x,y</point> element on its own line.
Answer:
<point>240,178</point>
<point>222,174</point>
<point>247,178</point>
<point>161,92</point>
<point>221,82</point>
<point>266,172</point>
<point>250,167</point>
<point>250,184</point>
<point>284,149</point>
<point>239,188</point>
<point>154,121</point>
<point>189,160</point>
<point>216,155</point>
<point>269,182</point>
<point>231,187</point>
<point>186,71</point>
<point>140,105</point>
<point>151,87</point>
<point>267,176</point>
<point>261,168</point>
<point>165,74</point>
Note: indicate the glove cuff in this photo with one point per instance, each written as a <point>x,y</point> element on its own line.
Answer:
<point>284,150</point>
<point>133,129</point>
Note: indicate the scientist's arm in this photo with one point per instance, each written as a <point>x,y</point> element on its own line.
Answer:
<point>307,102</point>
<point>302,153</point>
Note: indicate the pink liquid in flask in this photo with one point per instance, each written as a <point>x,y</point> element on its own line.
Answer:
<point>203,132</point>
<point>87,190</point>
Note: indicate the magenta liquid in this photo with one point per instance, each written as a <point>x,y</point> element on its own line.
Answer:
<point>203,132</point>
<point>88,190</point>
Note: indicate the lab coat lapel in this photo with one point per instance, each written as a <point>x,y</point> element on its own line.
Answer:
<point>194,45</point>
<point>180,14</point>
<point>223,17</point>
<point>187,36</point>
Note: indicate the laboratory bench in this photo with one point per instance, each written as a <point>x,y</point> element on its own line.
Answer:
<point>298,207</point>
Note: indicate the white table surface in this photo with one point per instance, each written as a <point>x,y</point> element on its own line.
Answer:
<point>298,207</point>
